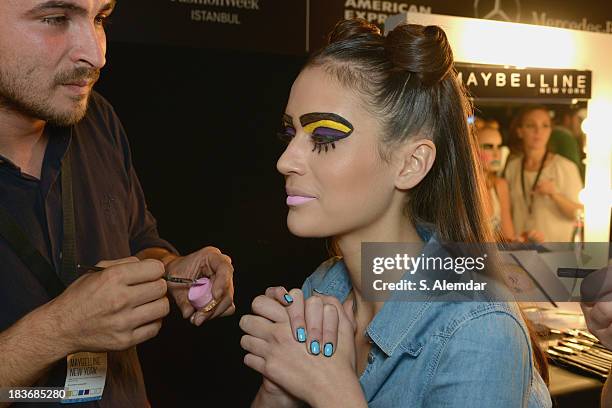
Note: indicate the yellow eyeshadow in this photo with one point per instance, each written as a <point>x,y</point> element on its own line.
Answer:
<point>328,124</point>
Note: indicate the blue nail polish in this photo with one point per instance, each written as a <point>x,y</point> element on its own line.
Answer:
<point>328,350</point>
<point>301,334</point>
<point>315,347</point>
<point>288,298</point>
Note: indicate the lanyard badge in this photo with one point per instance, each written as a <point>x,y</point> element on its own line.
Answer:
<point>85,377</point>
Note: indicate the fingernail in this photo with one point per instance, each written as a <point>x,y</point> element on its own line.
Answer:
<point>315,347</point>
<point>301,334</point>
<point>199,320</point>
<point>288,298</point>
<point>328,350</point>
<point>317,291</point>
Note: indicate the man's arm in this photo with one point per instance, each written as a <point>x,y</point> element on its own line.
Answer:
<point>110,310</point>
<point>30,347</point>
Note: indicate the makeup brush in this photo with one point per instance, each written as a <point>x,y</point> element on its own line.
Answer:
<point>587,351</point>
<point>572,355</point>
<point>173,279</point>
<point>562,360</point>
<point>576,360</point>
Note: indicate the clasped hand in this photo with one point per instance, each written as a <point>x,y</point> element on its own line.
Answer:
<point>305,349</point>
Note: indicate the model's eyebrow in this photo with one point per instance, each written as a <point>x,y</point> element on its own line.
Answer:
<point>69,6</point>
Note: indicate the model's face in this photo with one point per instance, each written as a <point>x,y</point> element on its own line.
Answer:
<point>535,130</point>
<point>51,55</point>
<point>490,154</point>
<point>335,179</point>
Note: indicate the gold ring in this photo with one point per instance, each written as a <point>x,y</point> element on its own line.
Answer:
<point>210,306</point>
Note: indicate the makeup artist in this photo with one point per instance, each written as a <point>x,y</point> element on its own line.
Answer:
<point>69,195</point>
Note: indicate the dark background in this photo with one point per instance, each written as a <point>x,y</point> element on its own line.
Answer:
<point>202,126</point>
<point>283,26</point>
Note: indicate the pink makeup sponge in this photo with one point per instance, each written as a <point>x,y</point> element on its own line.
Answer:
<point>200,294</point>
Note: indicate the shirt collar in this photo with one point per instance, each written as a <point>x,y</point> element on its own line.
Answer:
<point>60,139</point>
<point>4,161</point>
<point>395,321</point>
<point>57,146</point>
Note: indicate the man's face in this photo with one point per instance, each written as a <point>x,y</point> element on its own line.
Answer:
<point>51,53</point>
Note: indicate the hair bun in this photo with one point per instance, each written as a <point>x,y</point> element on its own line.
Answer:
<point>420,50</point>
<point>351,29</point>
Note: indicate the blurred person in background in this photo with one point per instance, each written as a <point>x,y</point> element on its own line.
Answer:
<point>497,204</point>
<point>566,137</point>
<point>544,186</point>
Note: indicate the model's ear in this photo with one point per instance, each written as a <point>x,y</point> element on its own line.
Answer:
<point>415,159</point>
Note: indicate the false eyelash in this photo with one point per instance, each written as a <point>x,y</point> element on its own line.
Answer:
<point>320,146</point>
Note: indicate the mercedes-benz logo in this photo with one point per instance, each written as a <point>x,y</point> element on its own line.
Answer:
<point>493,10</point>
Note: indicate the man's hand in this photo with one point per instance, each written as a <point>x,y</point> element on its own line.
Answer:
<point>596,303</point>
<point>596,295</point>
<point>211,263</point>
<point>110,310</point>
<point>114,309</point>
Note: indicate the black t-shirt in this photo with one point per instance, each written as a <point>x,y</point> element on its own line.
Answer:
<point>112,222</point>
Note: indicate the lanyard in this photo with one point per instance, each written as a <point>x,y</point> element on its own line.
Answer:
<point>529,201</point>
<point>30,256</point>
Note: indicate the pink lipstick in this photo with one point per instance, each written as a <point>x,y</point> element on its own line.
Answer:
<point>293,200</point>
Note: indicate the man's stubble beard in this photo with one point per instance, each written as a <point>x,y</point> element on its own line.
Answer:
<point>19,95</point>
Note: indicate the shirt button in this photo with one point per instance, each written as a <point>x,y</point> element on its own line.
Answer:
<point>371,357</point>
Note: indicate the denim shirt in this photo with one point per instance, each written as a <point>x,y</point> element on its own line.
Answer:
<point>442,354</point>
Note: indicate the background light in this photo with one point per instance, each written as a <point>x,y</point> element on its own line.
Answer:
<point>524,45</point>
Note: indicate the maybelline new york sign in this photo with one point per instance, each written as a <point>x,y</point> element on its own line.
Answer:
<point>485,81</point>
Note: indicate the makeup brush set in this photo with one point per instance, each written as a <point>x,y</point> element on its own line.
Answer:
<point>580,351</point>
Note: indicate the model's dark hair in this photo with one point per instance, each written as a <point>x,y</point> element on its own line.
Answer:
<point>407,81</point>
